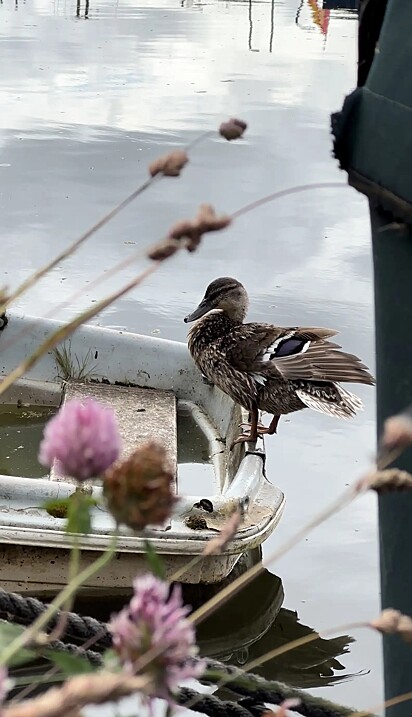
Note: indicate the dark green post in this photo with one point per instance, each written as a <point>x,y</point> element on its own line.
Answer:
<point>392,253</point>
<point>373,142</point>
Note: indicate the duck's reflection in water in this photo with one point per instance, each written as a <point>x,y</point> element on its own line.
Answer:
<point>254,623</point>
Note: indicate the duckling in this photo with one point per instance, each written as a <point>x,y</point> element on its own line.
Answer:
<point>270,368</point>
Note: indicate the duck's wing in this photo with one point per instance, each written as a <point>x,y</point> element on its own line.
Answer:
<point>296,353</point>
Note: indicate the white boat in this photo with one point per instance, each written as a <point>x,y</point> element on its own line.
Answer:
<point>119,367</point>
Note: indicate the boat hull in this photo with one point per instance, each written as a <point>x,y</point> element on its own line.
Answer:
<point>33,544</point>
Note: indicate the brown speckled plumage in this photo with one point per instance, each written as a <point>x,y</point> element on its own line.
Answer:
<point>270,368</point>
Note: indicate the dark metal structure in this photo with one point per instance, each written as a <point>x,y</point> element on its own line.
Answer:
<point>340,5</point>
<point>373,142</point>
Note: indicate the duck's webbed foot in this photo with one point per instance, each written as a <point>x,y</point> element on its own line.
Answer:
<point>260,428</point>
<point>264,430</point>
<point>243,438</point>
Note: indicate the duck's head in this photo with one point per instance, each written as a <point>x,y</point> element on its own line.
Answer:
<point>224,294</point>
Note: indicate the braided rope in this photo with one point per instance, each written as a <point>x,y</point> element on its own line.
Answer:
<point>259,689</point>
<point>251,690</point>
<point>79,629</point>
<point>95,658</point>
<point>214,707</point>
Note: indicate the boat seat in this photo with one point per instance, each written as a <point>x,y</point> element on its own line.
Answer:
<point>141,413</point>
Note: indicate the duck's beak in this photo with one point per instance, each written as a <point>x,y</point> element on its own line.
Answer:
<point>201,310</point>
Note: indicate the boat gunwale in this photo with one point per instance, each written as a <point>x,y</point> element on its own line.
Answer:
<point>170,544</point>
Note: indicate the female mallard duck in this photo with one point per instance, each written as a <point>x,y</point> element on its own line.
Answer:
<point>270,368</point>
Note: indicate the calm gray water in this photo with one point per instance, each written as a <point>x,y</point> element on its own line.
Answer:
<point>88,102</point>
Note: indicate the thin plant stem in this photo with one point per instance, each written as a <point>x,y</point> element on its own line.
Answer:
<point>191,564</point>
<point>125,262</point>
<point>284,193</point>
<point>230,590</point>
<point>52,675</point>
<point>199,615</point>
<point>211,605</point>
<point>310,703</point>
<point>68,251</point>
<point>204,611</point>
<point>154,652</point>
<point>60,599</point>
<point>53,672</point>
<point>405,697</point>
<point>201,138</point>
<point>74,565</point>
<point>63,332</point>
<point>77,294</point>
<point>294,644</point>
<point>79,691</point>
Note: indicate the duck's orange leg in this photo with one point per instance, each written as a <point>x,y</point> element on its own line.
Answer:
<point>271,429</point>
<point>253,432</point>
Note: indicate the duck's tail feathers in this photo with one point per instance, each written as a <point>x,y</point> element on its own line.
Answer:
<point>345,405</point>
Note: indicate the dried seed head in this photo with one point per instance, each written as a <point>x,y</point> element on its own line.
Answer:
<point>170,165</point>
<point>405,628</point>
<point>139,490</point>
<point>206,220</point>
<point>218,544</point>
<point>163,249</point>
<point>389,480</point>
<point>387,621</point>
<point>233,129</point>
<point>391,622</point>
<point>397,436</point>
<point>181,229</point>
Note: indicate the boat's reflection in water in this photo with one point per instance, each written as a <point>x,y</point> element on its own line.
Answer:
<point>247,626</point>
<point>254,622</point>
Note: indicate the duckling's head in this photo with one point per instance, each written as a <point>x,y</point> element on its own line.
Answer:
<point>224,294</point>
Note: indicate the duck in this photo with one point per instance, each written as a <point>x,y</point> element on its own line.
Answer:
<point>267,368</point>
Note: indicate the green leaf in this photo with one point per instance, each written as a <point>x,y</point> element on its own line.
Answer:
<point>57,507</point>
<point>70,664</point>
<point>111,660</point>
<point>8,633</point>
<point>155,562</point>
<point>79,513</point>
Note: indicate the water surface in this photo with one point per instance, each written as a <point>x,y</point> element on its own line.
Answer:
<point>21,430</point>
